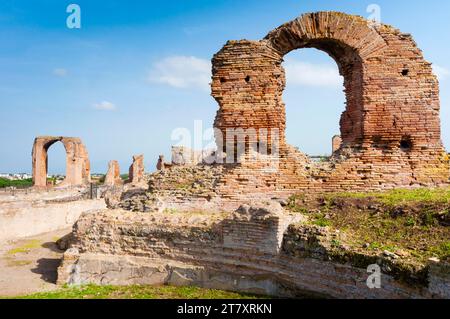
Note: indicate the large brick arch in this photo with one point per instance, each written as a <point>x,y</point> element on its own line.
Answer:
<point>390,128</point>
<point>77,161</point>
<point>335,34</point>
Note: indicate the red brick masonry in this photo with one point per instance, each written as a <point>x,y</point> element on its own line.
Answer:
<point>390,129</point>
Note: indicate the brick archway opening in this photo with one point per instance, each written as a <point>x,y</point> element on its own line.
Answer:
<point>56,153</point>
<point>314,98</point>
<point>350,66</point>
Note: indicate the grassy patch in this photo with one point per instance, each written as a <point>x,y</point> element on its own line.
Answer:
<point>402,196</point>
<point>137,292</point>
<point>410,223</point>
<point>26,247</point>
<point>442,250</point>
<point>320,220</point>
<point>402,233</point>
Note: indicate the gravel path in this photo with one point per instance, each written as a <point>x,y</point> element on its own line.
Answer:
<point>29,265</point>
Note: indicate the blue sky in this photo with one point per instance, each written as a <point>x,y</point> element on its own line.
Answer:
<point>137,70</point>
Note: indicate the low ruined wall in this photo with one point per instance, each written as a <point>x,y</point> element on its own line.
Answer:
<point>28,215</point>
<point>251,250</point>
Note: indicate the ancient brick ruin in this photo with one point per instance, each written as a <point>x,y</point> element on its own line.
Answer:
<point>77,161</point>
<point>112,177</point>
<point>229,225</point>
<point>136,171</point>
<point>390,129</point>
<point>336,143</point>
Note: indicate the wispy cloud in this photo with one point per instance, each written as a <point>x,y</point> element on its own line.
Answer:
<point>441,72</point>
<point>104,106</point>
<point>310,74</point>
<point>182,72</point>
<point>60,72</point>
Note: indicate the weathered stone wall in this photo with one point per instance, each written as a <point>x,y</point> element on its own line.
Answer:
<point>25,215</point>
<point>77,161</point>
<point>439,279</point>
<point>390,129</point>
<point>186,181</point>
<point>253,250</point>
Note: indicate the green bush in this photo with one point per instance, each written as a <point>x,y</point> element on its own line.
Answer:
<point>4,182</point>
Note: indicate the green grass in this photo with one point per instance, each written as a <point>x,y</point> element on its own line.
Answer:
<point>442,250</point>
<point>419,235</point>
<point>19,183</point>
<point>25,248</point>
<point>413,223</point>
<point>321,220</point>
<point>137,292</point>
<point>402,196</point>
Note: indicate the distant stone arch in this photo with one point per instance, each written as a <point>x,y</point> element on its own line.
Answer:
<point>390,129</point>
<point>77,161</point>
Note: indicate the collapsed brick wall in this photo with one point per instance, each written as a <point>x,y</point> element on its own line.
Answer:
<point>390,129</point>
<point>186,181</point>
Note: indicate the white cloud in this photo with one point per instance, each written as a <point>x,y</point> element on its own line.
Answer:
<point>60,72</point>
<point>310,74</point>
<point>104,106</point>
<point>182,72</point>
<point>441,72</point>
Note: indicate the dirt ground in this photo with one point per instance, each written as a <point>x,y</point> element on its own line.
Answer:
<point>29,265</point>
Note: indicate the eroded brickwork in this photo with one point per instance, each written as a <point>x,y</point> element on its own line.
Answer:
<point>137,170</point>
<point>390,129</point>
<point>112,177</point>
<point>336,143</point>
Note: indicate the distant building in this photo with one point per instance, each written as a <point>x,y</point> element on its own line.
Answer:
<point>16,176</point>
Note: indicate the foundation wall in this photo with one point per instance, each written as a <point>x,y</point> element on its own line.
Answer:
<point>21,218</point>
<point>123,248</point>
